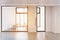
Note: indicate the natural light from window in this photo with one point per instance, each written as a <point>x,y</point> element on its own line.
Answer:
<point>21,10</point>
<point>21,19</point>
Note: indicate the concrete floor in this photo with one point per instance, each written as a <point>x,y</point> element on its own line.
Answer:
<point>28,36</point>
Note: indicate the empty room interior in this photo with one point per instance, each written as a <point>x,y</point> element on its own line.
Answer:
<point>29,19</point>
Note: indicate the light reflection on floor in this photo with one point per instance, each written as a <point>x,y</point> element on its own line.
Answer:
<point>27,36</point>
<point>21,36</point>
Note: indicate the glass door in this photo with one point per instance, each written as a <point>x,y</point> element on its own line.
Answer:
<point>40,18</point>
<point>8,19</point>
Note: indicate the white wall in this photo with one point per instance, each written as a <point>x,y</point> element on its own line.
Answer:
<point>56,19</point>
<point>53,19</point>
<point>48,18</point>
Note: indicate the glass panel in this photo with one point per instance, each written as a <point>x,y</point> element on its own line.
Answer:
<point>41,20</point>
<point>8,18</point>
<point>21,10</point>
<point>21,20</point>
<point>38,20</point>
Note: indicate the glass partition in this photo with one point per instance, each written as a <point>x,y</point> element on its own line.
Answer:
<point>40,18</point>
<point>21,19</point>
<point>14,19</point>
<point>8,18</point>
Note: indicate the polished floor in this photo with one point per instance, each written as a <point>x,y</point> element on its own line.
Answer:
<point>28,36</point>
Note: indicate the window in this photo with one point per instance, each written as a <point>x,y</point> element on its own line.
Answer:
<point>21,19</point>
